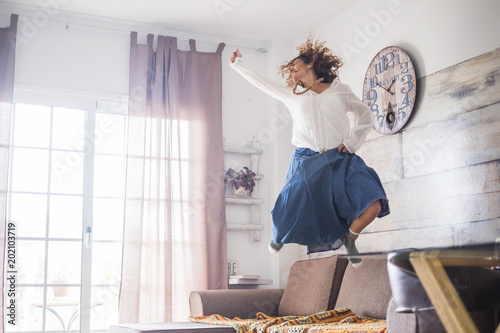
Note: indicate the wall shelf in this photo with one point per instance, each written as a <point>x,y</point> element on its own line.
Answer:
<point>238,150</point>
<point>247,283</point>
<point>238,200</point>
<point>241,226</point>
<point>253,201</point>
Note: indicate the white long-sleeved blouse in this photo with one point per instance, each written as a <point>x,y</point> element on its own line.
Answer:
<point>320,121</point>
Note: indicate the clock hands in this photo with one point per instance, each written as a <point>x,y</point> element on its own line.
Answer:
<point>387,89</point>
<point>378,84</point>
<point>391,84</point>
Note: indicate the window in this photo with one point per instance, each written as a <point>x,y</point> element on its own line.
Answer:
<point>66,198</point>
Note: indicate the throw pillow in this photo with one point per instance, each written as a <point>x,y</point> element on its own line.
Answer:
<point>309,287</point>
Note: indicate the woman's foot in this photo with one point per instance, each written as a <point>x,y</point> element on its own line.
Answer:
<point>350,246</point>
<point>358,225</point>
<point>274,248</point>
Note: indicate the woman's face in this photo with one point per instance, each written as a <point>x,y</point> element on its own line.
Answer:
<point>298,69</point>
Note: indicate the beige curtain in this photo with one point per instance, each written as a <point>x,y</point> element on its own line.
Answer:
<point>7,60</point>
<point>175,229</point>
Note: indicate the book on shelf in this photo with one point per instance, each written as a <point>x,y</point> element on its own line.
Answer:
<point>248,277</point>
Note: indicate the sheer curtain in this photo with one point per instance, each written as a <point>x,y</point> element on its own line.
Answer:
<point>7,60</point>
<point>175,228</point>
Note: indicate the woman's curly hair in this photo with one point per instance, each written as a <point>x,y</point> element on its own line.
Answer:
<point>325,64</point>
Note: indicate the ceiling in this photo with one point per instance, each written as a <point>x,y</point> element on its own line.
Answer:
<point>252,19</point>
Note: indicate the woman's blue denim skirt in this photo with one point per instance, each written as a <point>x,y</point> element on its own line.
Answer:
<point>322,195</point>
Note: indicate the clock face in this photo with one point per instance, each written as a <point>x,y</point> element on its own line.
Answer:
<point>389,89</point>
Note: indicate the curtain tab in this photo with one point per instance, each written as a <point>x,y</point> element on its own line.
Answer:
<point>150,39</point>
<point>12,31</point>
<point>133,38</point>
<point>220,48</point>
<point>13,20</point>
<point>173,43</point>
<point>161,42</point>
<point>192,45</point>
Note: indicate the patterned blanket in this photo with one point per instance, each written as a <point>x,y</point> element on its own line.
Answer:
<point>333,321</point>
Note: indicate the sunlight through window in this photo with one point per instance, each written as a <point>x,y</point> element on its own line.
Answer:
<point>67,175</point>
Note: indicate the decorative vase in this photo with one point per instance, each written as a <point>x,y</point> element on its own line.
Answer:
<point>240,192</point>
<point>60,291</point>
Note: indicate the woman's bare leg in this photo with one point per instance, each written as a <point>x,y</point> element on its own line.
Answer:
<point>366,217</point>
<point>357,226</point>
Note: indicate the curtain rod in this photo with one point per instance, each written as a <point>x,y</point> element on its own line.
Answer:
<point>103,23</point>
<point>261,50</point>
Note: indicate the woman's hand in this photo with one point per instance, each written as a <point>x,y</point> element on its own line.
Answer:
<point>236,54</point>
<point>343,149</point>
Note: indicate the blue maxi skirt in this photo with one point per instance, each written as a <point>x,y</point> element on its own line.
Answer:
<point>322,195</point>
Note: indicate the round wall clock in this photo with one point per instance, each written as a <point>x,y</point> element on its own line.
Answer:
<point>390,89</point>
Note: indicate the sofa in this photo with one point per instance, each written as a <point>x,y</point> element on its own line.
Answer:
<point>313,286</point>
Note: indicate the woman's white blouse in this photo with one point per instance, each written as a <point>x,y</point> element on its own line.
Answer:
<point>320,121</point>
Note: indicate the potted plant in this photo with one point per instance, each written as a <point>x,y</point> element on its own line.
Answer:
<point>243,181</point>
<point>58,279</point>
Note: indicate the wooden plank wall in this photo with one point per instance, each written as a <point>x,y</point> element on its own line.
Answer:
<point>441,172</point>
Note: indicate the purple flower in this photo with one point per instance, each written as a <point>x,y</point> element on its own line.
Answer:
<point>244,178</point>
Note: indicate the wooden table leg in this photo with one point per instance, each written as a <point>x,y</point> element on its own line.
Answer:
<point>443,295</point>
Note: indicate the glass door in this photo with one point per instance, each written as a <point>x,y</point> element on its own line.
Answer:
<point>66,202</point>
<point>108,209</point>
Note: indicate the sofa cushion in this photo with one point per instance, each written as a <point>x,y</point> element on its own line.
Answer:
<point>310,287</point>
<point>366,290</point>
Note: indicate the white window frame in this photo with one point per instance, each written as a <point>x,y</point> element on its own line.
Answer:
<point>88,101</point>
